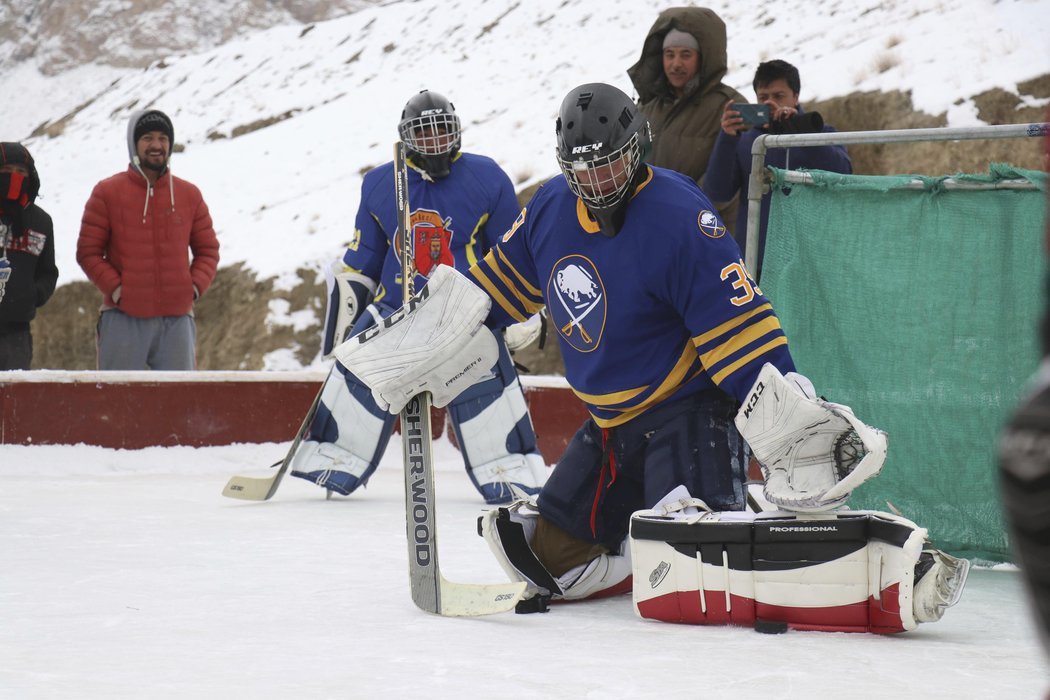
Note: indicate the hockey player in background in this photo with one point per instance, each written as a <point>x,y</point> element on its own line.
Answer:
<point>679,359</point>
<point>1024,471</point>
<point>461,204</point>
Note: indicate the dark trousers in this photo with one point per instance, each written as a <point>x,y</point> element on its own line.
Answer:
<point>604,476</point>
<point>16,347</point>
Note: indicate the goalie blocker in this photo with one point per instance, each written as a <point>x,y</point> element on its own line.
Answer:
<point>846,571</point>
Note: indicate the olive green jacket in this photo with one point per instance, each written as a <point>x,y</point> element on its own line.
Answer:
<point>684,129</point>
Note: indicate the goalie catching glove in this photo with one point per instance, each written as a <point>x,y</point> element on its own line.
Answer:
<point>813,453</point>
<point>436,342</point>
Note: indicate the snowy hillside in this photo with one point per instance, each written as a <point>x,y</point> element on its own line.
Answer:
<point>279,125</point>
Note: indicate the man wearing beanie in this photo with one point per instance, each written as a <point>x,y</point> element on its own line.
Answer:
<point>27,255</point>
<point>146,242</point>
<point>679,83</point>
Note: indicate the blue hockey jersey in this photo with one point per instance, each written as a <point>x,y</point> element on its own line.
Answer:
<point>455,221</point>
<point>662,310</point>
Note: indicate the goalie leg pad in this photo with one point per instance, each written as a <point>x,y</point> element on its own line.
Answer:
<point>347,437</point>
<point>510,533</point>
<point>495,435</point>
<point>348,294</point>
<point>812,453</point>
<point>851,571</point>
<point>436,342</point>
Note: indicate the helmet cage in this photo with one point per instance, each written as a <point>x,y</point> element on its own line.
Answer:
<point>604,181</point>
<point>433,133</point>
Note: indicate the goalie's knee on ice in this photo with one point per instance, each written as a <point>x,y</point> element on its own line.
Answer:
<point>585,570</point>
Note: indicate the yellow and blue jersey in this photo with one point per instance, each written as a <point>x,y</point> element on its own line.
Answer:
<point>662,310</point>
<point>455,221</point>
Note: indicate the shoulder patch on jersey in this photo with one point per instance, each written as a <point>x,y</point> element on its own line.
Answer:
<point>580,310</point>
<point>709,224</point>
<point>515,226</point>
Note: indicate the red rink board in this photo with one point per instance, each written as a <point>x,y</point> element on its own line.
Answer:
<point>132,410</point>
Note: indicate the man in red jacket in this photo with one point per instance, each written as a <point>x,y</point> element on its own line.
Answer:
<point>150,257</point>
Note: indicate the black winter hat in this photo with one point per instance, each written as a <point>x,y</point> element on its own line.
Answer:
<point>154,120</point>
<point>12,153</point>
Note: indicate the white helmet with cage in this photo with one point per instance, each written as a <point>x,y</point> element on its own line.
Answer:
<point>431,132</point>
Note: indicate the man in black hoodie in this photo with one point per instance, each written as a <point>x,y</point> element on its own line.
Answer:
<point>27,255</point>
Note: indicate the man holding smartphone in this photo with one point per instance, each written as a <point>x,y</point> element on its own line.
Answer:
<point>777,86</point>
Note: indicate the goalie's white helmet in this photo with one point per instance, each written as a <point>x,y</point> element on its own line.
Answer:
<point>431,132</point>
<point>603,140</point>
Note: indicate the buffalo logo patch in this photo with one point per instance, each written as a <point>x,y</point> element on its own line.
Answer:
<point>709,224</point>
<point>577,303</point>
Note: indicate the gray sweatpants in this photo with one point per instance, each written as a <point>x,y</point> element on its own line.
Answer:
<point>129,343</point>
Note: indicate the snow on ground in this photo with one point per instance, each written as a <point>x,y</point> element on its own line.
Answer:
<point>284,197</point>
<point>126,575</point>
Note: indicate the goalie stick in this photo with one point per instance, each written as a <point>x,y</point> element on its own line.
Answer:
<point>430,590</point>
<point>262,488</point>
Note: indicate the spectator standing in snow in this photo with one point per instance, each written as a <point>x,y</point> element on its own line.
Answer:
<point>136,249</point>
<point>27,255</point>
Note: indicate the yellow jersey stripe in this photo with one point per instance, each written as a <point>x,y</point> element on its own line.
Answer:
<point>675,378</point>
<point>529,289</point>
<point>729,325</point>
<point>472,245</point>
<point>529,305</point>
<point>495,293</point>
<point>610,399</point>
<point>729,369</point>
<point>770,324</point>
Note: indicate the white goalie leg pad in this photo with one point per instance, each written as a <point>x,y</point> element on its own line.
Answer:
<point>437,343</point>
<point>813,453</point>
<point>849,571</point>
<point>349,293</point>
<point>491,419</point>
<point>328,462</point>
<point>342,464</point>
<point>498,478</point>
<point>509,531</point>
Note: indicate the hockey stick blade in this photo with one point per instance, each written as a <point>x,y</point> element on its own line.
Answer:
<point>262,488</point>
<point>475,599</point>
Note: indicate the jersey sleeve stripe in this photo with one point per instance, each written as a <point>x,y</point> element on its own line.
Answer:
<point>705,338</point>
<point>529,305</point>
<point>473,245</point>
<point>721,375</point>
<point>769,324</point>
<point>496,294</point>
<point>529,289</point>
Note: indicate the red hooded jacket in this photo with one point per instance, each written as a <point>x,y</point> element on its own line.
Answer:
<point>140,238</point>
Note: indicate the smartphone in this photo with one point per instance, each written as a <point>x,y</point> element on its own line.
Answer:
<point>754,115</point>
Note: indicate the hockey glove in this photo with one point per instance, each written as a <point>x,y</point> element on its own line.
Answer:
<point>437,342</point>
<point>813,453</point>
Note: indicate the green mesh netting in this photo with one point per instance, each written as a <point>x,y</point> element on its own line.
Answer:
<point>919,309</point>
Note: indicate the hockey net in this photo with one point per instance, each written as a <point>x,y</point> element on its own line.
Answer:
<point>916,302</point>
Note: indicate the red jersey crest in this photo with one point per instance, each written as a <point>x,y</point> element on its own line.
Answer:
<point>431,239</point>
